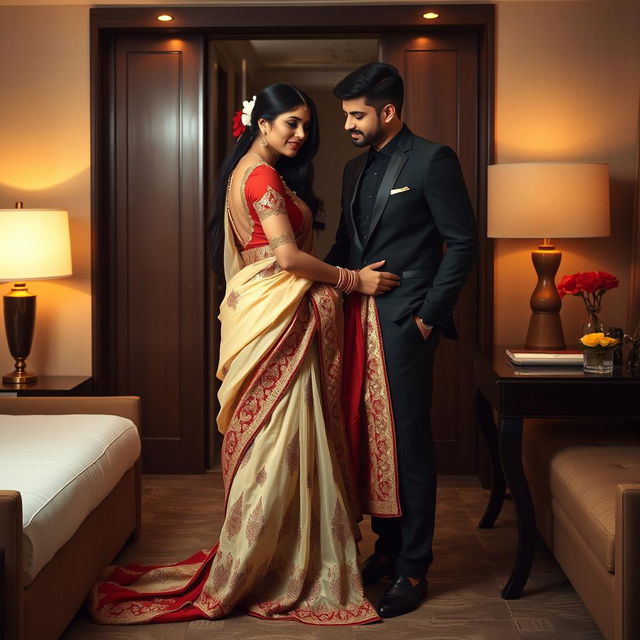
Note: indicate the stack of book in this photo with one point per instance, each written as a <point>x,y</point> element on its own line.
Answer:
<point>568,357</point>
<point>544,363</point>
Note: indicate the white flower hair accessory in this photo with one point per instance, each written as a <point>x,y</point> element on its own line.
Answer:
<point>242,118</point>
<point>247,110</point>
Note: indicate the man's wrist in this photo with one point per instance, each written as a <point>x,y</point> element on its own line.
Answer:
<point>426,325</point>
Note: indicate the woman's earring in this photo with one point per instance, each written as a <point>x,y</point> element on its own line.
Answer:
<point>264,142</point>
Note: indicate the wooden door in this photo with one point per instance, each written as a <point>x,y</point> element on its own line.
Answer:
<point>153,332</point>
<point>441,104</point>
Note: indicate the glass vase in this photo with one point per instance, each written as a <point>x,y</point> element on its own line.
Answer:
<point>598,361</point>
<point>593,322</point>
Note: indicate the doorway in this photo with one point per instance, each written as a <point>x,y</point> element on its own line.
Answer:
<point>149,332</point>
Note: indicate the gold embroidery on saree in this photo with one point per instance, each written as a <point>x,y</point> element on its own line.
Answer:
<point>261,477</point>
<point>240,579</point>
<point>339,580</point>
<point>221,571</point>
<point>325,300</point>
<point>243,192</point>
<point>247,456</point>
<point>233,521</point>
<point>255,254</point>
<point>271,379</point>
<point>232,299</point>
<point>278,241</point>
<point>270,204</point>
<point>292,454</point>
<point>267,272</point>
<point>255,525</point>
<point>383,492</point>
<point>339,524</point>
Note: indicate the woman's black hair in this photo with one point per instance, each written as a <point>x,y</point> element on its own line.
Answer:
<point>296,172</point>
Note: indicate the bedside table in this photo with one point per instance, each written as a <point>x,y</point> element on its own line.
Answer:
<point>51,386</point>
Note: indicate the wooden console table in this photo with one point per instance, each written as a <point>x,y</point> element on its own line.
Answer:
<point>517,393</point>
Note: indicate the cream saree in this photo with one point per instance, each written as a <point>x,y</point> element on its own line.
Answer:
<point>287,548</point>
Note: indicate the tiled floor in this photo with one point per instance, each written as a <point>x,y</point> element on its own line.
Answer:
<point>184,513</point>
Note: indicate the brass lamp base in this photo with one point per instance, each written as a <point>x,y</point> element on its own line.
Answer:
<point>545,327</point>
<point>19,378</point>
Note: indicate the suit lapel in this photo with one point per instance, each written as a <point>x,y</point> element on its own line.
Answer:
<point>358,170</point>
<point>397,162</point>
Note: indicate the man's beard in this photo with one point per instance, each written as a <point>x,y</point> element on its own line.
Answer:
<point>369,139</point>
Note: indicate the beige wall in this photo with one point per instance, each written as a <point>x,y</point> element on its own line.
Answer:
<point>567,86</point>
<point>44,161</point>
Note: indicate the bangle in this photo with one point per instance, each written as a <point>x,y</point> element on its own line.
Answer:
<point>348,280</point>
<point>341,279</point>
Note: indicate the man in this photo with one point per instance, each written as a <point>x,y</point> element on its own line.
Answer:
<point>401,200</point>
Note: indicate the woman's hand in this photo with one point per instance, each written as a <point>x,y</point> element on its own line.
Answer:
<point>373,282</point>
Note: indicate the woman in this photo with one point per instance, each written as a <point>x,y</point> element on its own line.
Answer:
<point>287,547</point>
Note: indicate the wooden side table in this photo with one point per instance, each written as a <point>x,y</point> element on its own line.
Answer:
<point>516,394</point>
<point>51,386</point>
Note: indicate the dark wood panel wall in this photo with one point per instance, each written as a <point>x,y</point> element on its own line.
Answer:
<point>441,104</point>
<point>157,222</point>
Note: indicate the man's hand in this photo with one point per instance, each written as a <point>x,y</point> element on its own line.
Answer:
<point>373,283</point>
<point>424,330</point>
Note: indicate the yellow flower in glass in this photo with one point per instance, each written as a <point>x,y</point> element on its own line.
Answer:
<point>598,352</point>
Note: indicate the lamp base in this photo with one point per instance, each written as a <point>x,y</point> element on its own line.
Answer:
<point>19,378</point>
<point>545,332</point>
<point>545,327</point>
<point>19,322</point>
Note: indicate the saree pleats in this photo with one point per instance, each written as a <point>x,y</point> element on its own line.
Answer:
<point>287,547</point>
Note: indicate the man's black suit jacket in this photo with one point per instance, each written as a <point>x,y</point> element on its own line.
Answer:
<point>422,203</point>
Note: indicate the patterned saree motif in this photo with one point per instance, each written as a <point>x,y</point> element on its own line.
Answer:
<point>368,411</point>
<point>287,548</point>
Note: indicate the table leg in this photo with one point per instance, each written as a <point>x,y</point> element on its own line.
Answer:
<point>510,441</point>
<point>484,416</point>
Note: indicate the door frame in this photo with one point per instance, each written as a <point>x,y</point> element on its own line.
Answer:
<point>279,22</point>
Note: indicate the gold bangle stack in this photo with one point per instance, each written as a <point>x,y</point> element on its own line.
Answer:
<point>348,280</point>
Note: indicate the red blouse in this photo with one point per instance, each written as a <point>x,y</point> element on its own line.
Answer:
<point>266,194</point>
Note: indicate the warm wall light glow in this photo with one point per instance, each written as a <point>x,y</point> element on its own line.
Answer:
<point>165,18</point>
<point>430,15</point>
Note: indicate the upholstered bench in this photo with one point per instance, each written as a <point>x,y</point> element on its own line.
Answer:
<point>69,500</point>
<point>585,483</point>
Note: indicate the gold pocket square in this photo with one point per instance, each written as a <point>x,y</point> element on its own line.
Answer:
<point>400,190</point>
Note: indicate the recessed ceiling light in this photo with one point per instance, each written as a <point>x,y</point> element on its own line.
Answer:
<point>430,15</point>
<point>164,17</point>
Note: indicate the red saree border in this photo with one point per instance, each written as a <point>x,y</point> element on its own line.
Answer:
<point>324,301</point>
<point>383,499</point>
<point>271,380</point>
<point>363,614</point>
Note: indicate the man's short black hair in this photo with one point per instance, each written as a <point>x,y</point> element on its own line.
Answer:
<point>377,82</point>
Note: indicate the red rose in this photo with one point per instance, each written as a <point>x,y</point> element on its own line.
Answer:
<point>607,281</point>
<point>568,286</point>
<point>588,282</point>
<point>238,127</point>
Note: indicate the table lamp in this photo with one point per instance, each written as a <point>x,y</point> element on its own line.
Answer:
<point>34,245</point>
<point>547,200</point>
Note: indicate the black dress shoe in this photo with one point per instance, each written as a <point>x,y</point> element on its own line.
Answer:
<point>376,567</point>
<point>401,597</point>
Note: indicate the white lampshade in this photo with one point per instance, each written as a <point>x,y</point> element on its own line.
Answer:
<point>548,200</point>
<point>34,244</point>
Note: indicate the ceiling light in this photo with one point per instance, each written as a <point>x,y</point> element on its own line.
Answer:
<point>164,17</point>
<point>430,15</point>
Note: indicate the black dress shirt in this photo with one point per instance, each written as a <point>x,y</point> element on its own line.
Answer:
<point>374,171</point>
